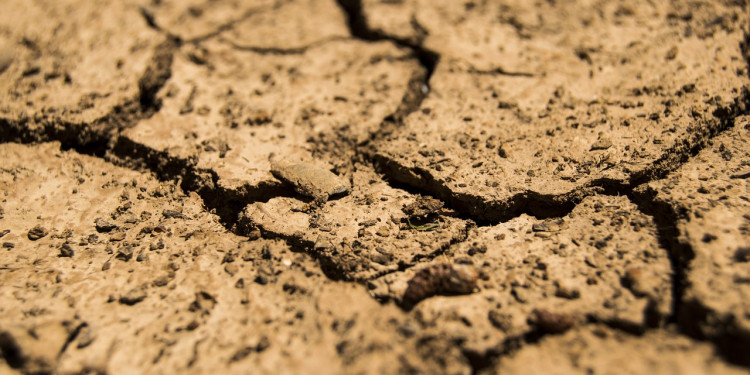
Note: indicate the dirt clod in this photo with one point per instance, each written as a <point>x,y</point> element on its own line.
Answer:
<point>423,208</point>
<point>66,250</point>
<point>37,232</point>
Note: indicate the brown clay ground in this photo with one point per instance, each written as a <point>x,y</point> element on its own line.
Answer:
<point>374,186</point>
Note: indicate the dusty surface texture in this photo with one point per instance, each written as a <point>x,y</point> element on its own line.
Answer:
<point>374,187</point>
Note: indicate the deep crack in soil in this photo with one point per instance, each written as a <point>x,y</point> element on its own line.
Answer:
<point>96,138</point>
<point>418,86</point>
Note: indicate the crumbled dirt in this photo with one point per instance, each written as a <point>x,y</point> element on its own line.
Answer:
<point>374,186</point>
<point>362,235</point>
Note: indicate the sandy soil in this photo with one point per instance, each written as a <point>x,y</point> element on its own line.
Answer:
<point>374,186</point>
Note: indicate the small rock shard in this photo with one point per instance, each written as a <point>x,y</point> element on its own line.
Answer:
<point>103,226</point>
<point>310,180</point>
<point>86,337</point>
<point>601,144</point>
<point>172,214</point>
<point>133,296</point>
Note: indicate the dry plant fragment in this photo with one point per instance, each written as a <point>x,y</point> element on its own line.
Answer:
<point>422,228</point>
<point>440,279</point>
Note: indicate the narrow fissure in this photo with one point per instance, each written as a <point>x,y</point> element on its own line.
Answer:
<point>229,25</point>
<point>227,204</point>
<point>71,337</point>
<point>689,316</point>
<point>428,59</point>
<point>156,75</point>
<point>282,51</point>
<point>680,254</point>
<point>419,180</point>
<point>150,20</point>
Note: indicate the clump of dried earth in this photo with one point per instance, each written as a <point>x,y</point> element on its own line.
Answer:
<point>372,186</point>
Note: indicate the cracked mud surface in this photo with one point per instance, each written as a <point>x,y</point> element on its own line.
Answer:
<point>371,186</point>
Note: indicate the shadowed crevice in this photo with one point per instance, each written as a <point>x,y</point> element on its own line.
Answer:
<point>225,203</point>
<point>485,212</point>
<point>156,75</point>
<point>428,59</point>
<point>697,139</point>
<point>475,207</point>
<point>96,138</point>
<point>690,315</point>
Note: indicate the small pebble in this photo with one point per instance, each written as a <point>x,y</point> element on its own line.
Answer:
<point>539,227</point>
<point>567,290</point>
<point>66,251</point>
<point>125,253</point>
<point>499,320</point>
<point>37,232</point>
<point>423,207</point>
<point>162,280</point>
<point>383,231</point>
<point>86,337</point>
<point>551,322</point>
<point>231,269</point>
<point>440,279</point>
<point>260,279</point>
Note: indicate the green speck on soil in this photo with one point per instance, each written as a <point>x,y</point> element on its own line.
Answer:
<point>422,228</point>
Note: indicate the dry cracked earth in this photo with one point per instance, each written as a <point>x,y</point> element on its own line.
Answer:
<point>374,186</point>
